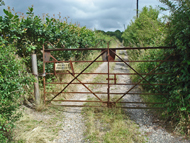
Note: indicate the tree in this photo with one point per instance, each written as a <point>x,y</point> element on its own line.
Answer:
<point>146,30</point>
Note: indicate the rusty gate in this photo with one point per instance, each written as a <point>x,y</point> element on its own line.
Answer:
<point>108,55</point>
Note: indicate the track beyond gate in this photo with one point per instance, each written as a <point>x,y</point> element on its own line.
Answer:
<point>108,55</point>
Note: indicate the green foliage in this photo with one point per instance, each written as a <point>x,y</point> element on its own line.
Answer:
<point>178,33</point>
<point>2,3</point>
<point>30,32</point>
<point>148,30</point>
<point>13,78</point>
<point>116,34</point>
<point>102,39</point>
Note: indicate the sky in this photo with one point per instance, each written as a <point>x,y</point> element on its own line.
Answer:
<point>107,15</point>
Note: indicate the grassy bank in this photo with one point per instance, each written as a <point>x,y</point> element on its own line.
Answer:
<point>38,127</point>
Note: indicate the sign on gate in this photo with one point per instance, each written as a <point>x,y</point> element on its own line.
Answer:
<point>61,66</point>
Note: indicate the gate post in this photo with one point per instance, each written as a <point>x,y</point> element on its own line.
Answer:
<point>36,84</point>
<point>108,90</point>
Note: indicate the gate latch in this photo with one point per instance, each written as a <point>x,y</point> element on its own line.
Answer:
<point>115,79</point>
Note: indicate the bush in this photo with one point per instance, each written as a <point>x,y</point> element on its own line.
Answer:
<point>178,33</point>
<point>13,78</point>
<point>29,32</point>
<point>148,30</point>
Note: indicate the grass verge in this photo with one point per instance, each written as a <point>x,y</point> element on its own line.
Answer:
<point>110,125</point>
<point>38,127</point>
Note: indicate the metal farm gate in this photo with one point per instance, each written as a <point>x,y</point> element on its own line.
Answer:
<point>108,55</point>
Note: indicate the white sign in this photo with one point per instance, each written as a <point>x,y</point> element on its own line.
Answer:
<point>61,66</point>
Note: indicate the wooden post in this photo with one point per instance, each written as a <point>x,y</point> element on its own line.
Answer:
<point>36,84</point>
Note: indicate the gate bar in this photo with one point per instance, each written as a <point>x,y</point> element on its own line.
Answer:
<point>116,73</point>
<point>111,93</point>
<point>105,101</point>
<point>110,61</point>
<point>111,83</point>
<point>125,48</point>
<point>108,104</point>
<point>114,107</point>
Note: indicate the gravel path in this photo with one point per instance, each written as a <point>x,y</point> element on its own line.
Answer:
<point>73,123</point>
<point>154,132</point>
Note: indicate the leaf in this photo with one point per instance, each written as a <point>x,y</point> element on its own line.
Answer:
<point>31,9</point>
<point>188,62</point>
<point>183,109</point>
<point>47,19</point>
<point>187,97</point>
<point>33,47</point>
<point>6,11</point>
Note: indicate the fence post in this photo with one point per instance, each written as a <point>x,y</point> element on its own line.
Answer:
<point>36,84</point>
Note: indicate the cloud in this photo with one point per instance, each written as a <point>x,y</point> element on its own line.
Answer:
<point>99,14</point>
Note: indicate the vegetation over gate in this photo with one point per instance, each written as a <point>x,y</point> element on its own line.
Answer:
<point>149,30</point>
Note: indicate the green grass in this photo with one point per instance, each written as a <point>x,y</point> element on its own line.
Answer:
<point>39,127</point>
<point>109,125</point>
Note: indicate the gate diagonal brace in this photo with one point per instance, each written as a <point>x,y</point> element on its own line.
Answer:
<point>143,78</point>
<point>77,76</point>
<point>71,64</point>
<point>85,86</point>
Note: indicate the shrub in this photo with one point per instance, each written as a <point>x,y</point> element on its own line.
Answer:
<point>13,78</point>
<point>144,31</point>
